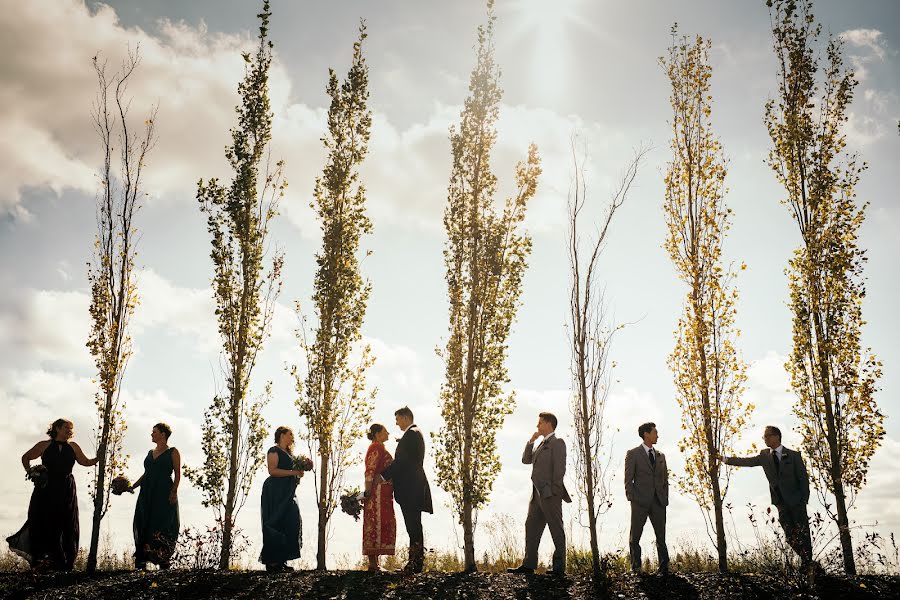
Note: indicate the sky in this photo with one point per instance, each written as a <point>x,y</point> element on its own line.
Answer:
<point>568,66</point>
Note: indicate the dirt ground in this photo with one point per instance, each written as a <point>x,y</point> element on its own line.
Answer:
<point>362,585</point>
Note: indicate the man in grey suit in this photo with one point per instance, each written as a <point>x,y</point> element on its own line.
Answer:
<point>548,467</point>
<point>647,488</point>
<point>788,488</point>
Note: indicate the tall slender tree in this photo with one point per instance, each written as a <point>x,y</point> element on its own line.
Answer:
<point>834,379</point>
<point>333,399</point>
<point>709,372</point>
<point>590,336</point>
<point>485,257</point>
<point>111,271</point>
<point>238,219</point>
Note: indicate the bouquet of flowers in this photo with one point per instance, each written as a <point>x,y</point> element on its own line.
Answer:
<point>120,485</point>
<point>38,475</point>
<point>352,502</point>
<point>302,463</point>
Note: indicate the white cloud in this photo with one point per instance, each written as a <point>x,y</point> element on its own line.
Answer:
<point>45,326</point>
<point>871,39</point>
<point>177,310</point>
<point>48,140</point>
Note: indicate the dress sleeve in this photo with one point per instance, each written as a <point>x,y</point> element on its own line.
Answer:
<point>371,464</point>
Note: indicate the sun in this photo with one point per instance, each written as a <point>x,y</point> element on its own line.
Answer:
<point>546,27</point>
<point>547,17</point>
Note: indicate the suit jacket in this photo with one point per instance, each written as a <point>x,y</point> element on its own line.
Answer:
<point>788,484</point>
<point>548,467</point>
<point>411,489</point>
<point>643,481</point>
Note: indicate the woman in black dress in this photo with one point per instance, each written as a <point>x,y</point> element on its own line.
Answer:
<point>281,526</point>
<point>49,538</point>
<point>156,522</point>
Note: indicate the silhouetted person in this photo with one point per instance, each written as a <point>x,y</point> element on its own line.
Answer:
<point>282,528</point>
<point>156,519</point>
<point>49,538</point>
<point>647,488</point>
<point>788,487</point>
<point>548,468</point>
<point>411,489</point>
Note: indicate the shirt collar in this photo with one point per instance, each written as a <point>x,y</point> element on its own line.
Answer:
<point>548,436</point>
<point>646,448</point>
<point>779,450</point>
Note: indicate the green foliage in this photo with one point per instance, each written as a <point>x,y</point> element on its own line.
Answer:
<point>485,260</point>
<point>333,399</point>
<point>238,219</point>
<point>709,373</point>
<point>834,379</point>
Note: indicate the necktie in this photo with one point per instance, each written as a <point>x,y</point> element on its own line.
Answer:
<point>777,461</point>
<point>652,458</point>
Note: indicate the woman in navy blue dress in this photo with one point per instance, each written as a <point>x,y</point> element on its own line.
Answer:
<point>156,520</point>
<point>49,538</point>
<point>281,526</point>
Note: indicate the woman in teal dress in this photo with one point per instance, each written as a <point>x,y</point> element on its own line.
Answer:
<point>156,521</point>
<point>281,526</point>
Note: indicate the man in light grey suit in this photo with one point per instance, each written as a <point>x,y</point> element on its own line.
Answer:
<point>548,468</point>
<point>788,488</point>
<point>647,488</point>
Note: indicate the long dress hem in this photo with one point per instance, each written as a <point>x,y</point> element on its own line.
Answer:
<point>379,522</point>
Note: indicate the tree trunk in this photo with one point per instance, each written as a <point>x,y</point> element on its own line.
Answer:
<point>467,508</point>
<point>844,528</point>
<point>721,544</point>
<point>836,470</point>
<point>99,489</point>
<point>592,522</point>
<point>711,450</point>
<point>586,450</point>
<point>228,521</point>
<point>323,511</point>
<point>468,535</point>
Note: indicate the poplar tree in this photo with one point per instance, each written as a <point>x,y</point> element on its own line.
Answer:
<point>832,376</point>
<point>333,398</point>
<point>485,258</point>
<point>111,271</point>
<point>238,219</point>
<point>590,337</point>
<point>708,370</point>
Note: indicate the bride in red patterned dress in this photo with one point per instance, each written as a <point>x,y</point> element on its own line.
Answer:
<point>379,523</point>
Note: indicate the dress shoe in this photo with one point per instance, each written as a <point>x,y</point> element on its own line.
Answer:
<point>411,568</point>
<point>522,570</point>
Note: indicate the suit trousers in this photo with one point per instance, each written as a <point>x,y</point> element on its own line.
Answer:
<point>795,523</point>
<point>544,512</point>
<point>412,517</point>
<point>639,514</point>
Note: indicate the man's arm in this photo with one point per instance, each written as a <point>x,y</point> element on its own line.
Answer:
<point>528,454</point>
<point>802,477</point>
<point>419,449</point>
<point>738,461</point>
<point>629,476</point>
<point>401,459</point>
<point>559,464</point>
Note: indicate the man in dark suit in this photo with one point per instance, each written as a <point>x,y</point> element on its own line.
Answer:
<point>647,488</point>
<point>788,488</point>
<point>548,468</point>
<point>411,490</point>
